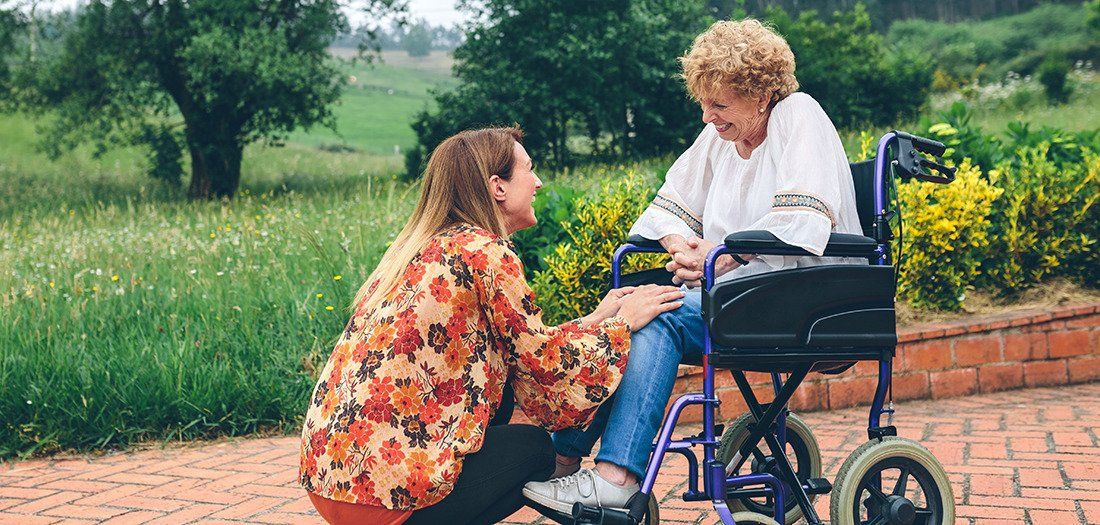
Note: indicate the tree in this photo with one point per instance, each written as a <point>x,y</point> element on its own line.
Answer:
<point>208,76</point>
<point>10,23</point>
<point>418,40</point>
<point>604,70</point>
<point>843,64</point>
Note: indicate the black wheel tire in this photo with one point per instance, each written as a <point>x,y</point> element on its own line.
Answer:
<point>653,512</point>
<point>874,456</point>
<point>807,464</point>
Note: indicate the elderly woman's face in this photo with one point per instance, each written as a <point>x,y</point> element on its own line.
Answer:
<point>734,116</point>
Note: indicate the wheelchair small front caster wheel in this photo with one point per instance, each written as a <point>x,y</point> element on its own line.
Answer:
<point>895,481</point>
<point>802,451</point>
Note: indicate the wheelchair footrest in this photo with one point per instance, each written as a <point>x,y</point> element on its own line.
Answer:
<point>600,515</point>
<point>817,486</point>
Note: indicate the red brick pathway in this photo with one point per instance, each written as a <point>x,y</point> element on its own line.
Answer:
<point>1026,456</point>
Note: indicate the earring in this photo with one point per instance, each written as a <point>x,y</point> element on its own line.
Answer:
<point>761,109</point>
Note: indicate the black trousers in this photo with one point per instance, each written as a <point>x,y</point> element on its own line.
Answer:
<point>489,487</point>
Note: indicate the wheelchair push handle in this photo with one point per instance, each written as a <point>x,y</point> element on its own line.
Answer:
<point>912,165</point>
<point>923,145</point>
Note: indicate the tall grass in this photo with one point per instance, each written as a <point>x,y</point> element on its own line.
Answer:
<point>128,313</point>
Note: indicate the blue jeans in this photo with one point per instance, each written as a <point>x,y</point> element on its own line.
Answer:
<point>629,420</point>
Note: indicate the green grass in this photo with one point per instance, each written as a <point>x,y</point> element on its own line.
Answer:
<point>131,314</point>
<point>376,108</point>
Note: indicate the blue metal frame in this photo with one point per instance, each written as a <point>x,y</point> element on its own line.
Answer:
<point>715,481</point>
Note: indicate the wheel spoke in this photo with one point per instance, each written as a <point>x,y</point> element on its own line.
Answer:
<point>876,492</point>
<point>903,476</point>
<point>879,520</point>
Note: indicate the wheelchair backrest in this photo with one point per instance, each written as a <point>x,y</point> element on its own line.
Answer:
<point>863,174</point>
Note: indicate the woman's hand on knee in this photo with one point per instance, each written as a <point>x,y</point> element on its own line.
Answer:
<point>647,302</point>
<point>609,305</point>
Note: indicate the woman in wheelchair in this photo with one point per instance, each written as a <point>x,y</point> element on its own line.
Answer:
<point>768,159</point>
<point>409,420</point>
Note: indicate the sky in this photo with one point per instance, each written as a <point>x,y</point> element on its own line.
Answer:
<point>436,12</point>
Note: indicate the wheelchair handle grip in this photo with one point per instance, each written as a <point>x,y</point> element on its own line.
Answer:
<point>923,145</point>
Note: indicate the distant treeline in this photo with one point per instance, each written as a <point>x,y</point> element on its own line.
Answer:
<point>417,37</point>
<point>883,12</point>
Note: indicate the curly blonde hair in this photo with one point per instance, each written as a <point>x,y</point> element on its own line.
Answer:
<point>747,56</point>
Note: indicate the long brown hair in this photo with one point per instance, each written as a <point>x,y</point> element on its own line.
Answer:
<point>455,189</point>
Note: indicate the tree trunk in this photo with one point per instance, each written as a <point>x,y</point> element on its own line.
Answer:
<point>215,168</point>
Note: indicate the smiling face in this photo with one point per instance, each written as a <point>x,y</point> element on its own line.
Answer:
<point>737,118</point>
<point>515,195</point>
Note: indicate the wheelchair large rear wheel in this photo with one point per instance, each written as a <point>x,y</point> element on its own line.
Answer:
<point>752,518</point>
<point>802,452</point>
<point>892,481</point>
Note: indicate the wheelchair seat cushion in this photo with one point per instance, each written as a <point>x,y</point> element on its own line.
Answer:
<point>815,308</point>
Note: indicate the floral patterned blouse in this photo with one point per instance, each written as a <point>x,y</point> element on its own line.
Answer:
<point>411,386</point>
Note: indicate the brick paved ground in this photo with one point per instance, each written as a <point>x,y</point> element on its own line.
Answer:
<point>1030,456</point>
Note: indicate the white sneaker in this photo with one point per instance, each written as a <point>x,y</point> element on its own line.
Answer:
<point>586,486</point>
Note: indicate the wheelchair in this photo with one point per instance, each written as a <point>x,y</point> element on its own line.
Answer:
<point>769,323</point>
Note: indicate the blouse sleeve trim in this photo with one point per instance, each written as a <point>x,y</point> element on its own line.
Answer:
<point>791,201</point>
<point>666,204</point>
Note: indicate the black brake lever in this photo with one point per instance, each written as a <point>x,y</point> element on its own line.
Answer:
<point>947,173</point>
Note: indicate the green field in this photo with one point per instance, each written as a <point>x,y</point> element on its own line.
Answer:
<point>376,108</point>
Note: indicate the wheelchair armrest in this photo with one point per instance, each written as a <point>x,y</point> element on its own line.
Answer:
<point>765,243</point>
<point>642,242</point>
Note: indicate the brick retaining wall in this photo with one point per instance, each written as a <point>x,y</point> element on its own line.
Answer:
<point>1017,350</point>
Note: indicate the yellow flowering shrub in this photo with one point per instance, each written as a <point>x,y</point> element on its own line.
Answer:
<point>945,237</point>
<point>579,270</point>
<point>1045,219</point>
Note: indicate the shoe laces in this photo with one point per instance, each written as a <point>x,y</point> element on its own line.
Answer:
<point>575,479</point>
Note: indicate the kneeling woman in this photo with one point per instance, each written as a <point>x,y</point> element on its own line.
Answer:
<point>408,422</point>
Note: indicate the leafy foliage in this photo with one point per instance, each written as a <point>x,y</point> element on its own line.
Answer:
<point>843,64</point>
<point>227,74</point>
<point>1052,75</point>
<point>988,50</point>
<point>554,208</point>
<point>578,271</point>
<point>955,128</point>
<point>603,70</point>
<point>418,40</point>
<point>946,231</point>
<point>1039,223</point>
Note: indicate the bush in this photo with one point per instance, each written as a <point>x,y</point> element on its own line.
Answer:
<point>1038,223</point>
<point>579,269</point>
<point>1052,75</point>
<point>554,208</point>
<point>843,64</point>
<point>946,231</point>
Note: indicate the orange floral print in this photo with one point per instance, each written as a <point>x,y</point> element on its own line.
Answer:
<point>411,386</point>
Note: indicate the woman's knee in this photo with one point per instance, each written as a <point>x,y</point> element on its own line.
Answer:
<point>532,442</point>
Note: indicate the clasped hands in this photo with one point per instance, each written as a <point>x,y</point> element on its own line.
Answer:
<point>689,258</point>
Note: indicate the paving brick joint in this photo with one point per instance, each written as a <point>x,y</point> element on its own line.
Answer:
<point>1025,456</point>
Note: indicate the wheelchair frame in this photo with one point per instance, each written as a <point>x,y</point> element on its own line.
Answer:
<point>717,485</point>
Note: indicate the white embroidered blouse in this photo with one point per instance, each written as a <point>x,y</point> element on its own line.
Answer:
<point>797,184</point>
